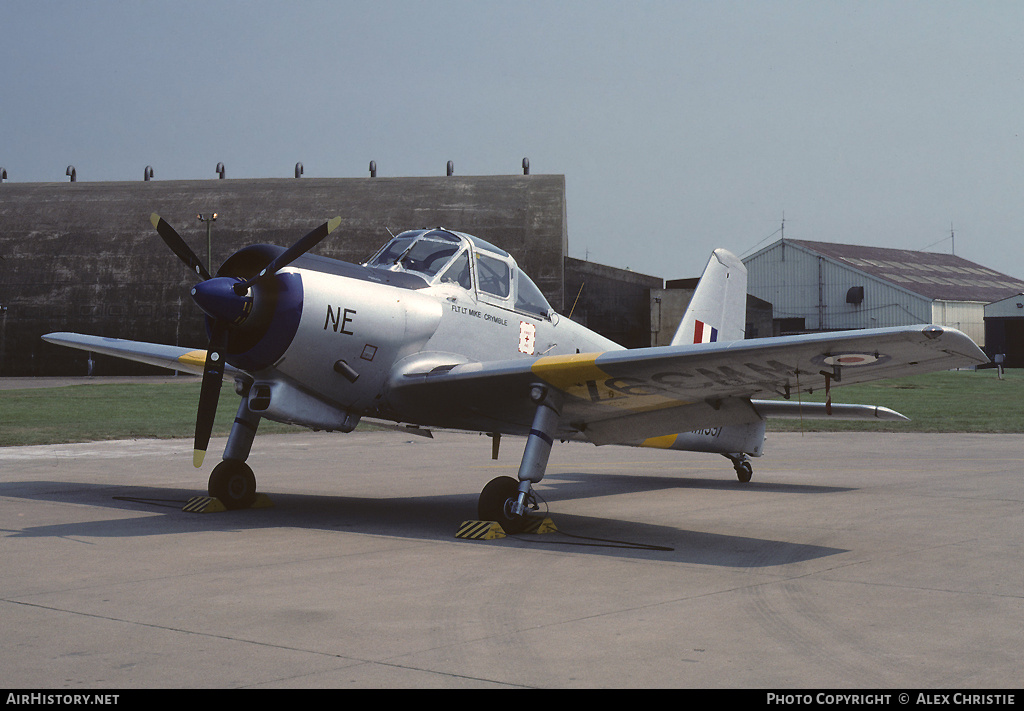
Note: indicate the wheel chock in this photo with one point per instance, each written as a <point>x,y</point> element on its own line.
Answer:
<point>211,504</point>
<point>204,504</point>
<point>540,525</point>
<point>489,530</point>
<point>480,530</point>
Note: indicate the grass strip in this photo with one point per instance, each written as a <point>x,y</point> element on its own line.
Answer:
<point>86,413</point>
<point>949,401</point>
<point>953,401</point>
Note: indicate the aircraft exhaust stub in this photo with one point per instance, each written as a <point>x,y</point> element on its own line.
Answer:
<point>346,371</point>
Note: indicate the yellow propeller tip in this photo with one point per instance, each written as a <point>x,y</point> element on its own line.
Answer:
<point>333,223</point>
<point>155,219</point>
<point>197,457</point>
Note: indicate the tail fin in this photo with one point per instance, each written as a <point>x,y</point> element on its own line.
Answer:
<point>718,309</point>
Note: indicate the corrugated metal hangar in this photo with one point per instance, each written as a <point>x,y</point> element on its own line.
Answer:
<point>820,286</point>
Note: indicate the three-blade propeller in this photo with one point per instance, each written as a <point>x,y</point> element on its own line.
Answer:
<point>226,308</point>
<point>291,254</point>
<point>173,240</point>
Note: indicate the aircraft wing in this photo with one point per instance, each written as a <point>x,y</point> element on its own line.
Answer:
<point>629,395</point>
<point>186,360</point>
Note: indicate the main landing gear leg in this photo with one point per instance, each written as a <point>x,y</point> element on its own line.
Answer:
<point>503,499</point>
<point>232,481</point>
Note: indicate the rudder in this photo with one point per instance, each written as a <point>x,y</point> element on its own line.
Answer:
<point>718,309</point>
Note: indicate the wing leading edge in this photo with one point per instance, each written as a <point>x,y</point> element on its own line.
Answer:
<point>186,360</point>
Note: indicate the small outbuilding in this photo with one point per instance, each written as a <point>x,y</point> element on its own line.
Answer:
<point>1004,331</point>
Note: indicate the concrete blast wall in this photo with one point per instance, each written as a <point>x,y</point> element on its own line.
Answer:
<point>84,257</point>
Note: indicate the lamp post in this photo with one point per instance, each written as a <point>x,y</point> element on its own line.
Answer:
<point>209,220</point>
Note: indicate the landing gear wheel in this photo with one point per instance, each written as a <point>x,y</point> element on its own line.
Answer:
<point>495,504</point>
<point>744,471</point>
<point>234,484</point>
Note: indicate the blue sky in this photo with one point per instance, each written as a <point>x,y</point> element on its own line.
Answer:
<point>680,126</point>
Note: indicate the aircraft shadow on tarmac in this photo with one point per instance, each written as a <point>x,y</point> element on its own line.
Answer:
<point>571,485</point>
<point>433,518</point>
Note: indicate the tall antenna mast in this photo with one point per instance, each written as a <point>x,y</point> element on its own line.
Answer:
<point>952,239</point>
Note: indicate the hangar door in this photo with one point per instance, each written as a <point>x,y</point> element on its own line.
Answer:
<point>1006,336</point>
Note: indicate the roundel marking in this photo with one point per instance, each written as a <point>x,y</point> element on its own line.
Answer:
<point>851,359</point>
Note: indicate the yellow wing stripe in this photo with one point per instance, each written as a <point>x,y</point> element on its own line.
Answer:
<point>663,442</point>
<point>193,358</point>
<point>569,372</point>
<point>578,375</point>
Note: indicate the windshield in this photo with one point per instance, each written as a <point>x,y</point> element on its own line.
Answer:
<point>444,257</point>
<point>430,253</point>
<point>391,252</point>
<point>425,254</point>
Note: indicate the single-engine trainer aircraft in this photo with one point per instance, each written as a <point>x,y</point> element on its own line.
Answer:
<point>440,329</point>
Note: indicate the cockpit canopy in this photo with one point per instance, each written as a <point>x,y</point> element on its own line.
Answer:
<point>444,257</point>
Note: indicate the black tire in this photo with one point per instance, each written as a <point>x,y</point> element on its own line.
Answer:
<point>744,470</point>
<point>495,501</point>
<point>233,483</point>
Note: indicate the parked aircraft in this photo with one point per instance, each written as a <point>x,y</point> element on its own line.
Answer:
<point>441,329</point>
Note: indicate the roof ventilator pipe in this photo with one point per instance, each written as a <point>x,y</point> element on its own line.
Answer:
<point>451,169</point>
<point>72,172</point>
<point>373,169</point>
<point>299,170</point>
<point>220,170</point>
<point>147,175</point>
<point>526,166</point>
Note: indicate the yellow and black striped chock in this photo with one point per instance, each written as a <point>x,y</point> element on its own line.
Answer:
<point>204,504</point>
<point>480,530</point>
<point>489,530</point>
<point>211,504</point>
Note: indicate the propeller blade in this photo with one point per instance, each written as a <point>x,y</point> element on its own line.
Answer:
<point>209,394</point>
<point>292,253</point>
<point>173,240</point>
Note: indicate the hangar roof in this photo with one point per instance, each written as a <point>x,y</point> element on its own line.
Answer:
<point>932,275</point>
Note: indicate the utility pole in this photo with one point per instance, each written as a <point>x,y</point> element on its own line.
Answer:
<point>209,220</point>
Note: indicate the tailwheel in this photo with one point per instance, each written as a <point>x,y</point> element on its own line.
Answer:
<point>744,471</point>
<point>496,502</point>
<point>234,484</point>
<point>741,463</point>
